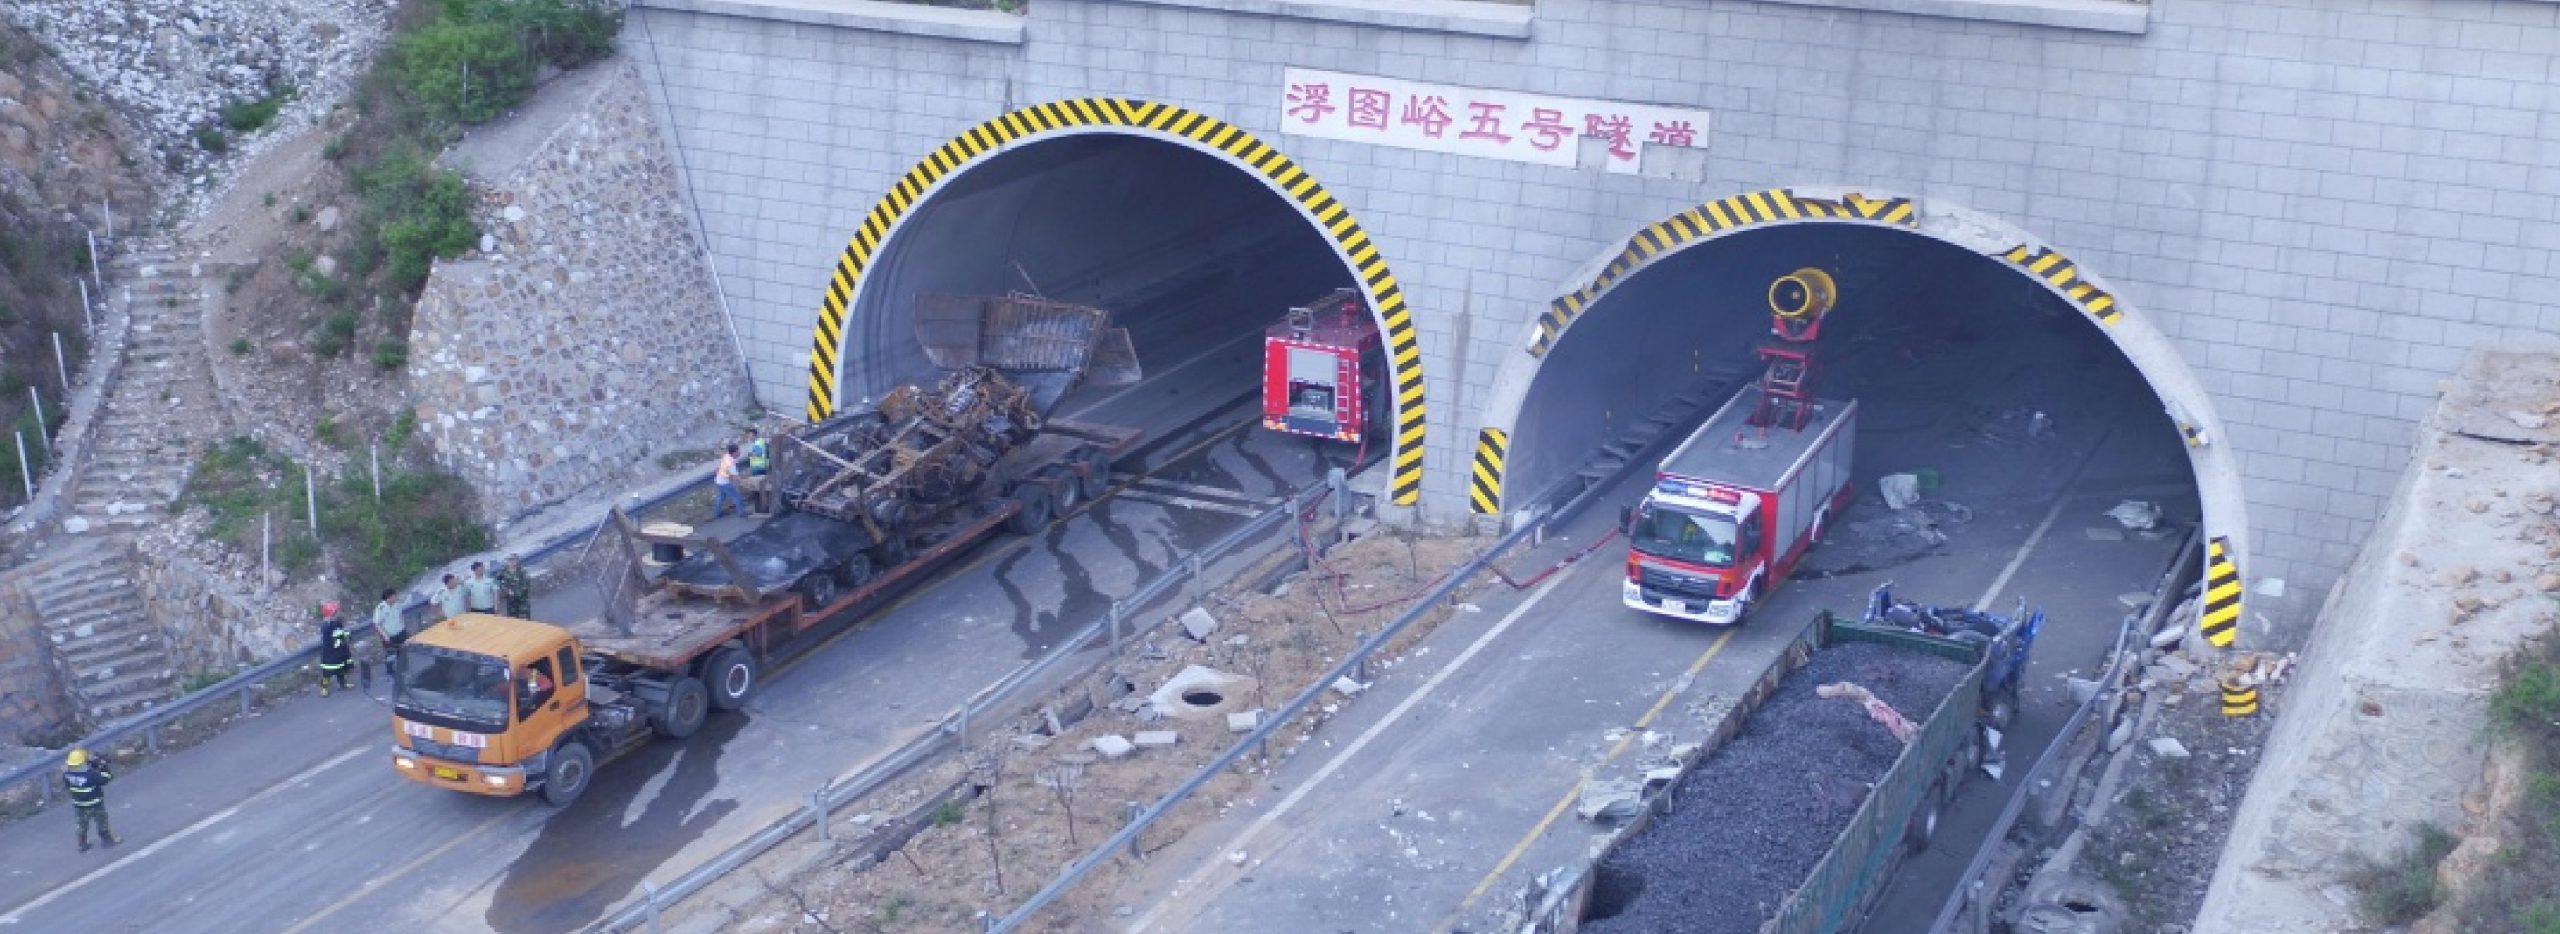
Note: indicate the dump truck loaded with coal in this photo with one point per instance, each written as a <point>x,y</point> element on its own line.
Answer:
<point>872,501</point>
<point>1836,763</point>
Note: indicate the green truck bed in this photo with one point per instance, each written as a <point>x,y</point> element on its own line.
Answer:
<point>1837,890</point>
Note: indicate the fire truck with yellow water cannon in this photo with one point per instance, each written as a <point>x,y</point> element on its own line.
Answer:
<point>1737,503</point>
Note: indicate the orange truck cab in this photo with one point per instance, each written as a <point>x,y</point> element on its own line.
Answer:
<point>498,706</point>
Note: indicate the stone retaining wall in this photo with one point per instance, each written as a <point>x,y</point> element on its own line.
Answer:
<point>32,699</point>
<point>584,340</point>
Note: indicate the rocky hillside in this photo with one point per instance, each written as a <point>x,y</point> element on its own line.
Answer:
<point>64,154</point>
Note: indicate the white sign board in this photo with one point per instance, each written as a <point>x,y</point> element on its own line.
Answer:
<point>1475,122</point>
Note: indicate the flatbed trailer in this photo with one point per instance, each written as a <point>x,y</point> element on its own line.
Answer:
<point>474,720</point>
<point>1896,817</point>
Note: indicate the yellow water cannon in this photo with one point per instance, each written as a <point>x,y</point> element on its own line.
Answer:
<point>1797,302</point>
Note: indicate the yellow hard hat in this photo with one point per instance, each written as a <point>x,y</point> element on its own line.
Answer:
<point>78,758</point>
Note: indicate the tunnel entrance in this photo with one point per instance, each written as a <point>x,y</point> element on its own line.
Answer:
<point>1994,376</point>
<point>1192,233</point>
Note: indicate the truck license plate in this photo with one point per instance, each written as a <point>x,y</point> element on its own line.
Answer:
<point>1678,606</point>
<point>451,775</point>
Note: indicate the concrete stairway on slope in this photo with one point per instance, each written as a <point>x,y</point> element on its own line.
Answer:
<point>116,662</point>
<point>162,409</point>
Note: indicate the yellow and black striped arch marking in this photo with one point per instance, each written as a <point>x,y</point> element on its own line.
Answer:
<point>1484,488</point>
<point>1404,349</point>
<point>2058,271</point>
<point>2220,620</point>
<point>1708,220</point>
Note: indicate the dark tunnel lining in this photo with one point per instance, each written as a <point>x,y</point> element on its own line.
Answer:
<point>1692,319</point>
<point>1186,249</point>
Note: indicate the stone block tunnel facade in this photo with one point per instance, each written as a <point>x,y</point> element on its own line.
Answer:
<point>2293,217</point>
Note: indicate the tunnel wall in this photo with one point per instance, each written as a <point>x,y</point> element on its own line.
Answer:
<point>2321,205</point>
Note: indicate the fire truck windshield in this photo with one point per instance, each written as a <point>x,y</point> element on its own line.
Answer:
<point>1681,535</point>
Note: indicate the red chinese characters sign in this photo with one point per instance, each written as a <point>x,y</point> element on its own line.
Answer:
<point>1556,131</point>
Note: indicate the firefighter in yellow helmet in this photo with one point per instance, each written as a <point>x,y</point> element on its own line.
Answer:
<point>85,780</point>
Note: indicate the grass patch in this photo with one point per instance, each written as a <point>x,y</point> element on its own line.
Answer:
<point>422,519</point>
<point>2521,891</point>
<point>246,117</point>
<point>210,138</point>
<point>2399,891</point>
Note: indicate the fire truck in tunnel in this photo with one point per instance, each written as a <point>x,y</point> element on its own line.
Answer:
<point>1742,498</point>
<point>1324,371</point>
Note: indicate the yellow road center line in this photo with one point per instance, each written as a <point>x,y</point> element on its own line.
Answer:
<point>1540,829</point>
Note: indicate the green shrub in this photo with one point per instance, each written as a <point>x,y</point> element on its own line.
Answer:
<point>334,334</point>
<point>418,212</point>
<point>2401,891</point>
<point>335,149</point>
<point>210,139</point>
<point>245,117</point>
<point>422,520</point>
<point>2531,699</point>
<point>404,425</point>
<point>390,354</point>
<point>239,346</point>
<point>326,432</point>
<point>466,72</point>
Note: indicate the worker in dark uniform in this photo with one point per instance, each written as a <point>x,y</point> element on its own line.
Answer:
<point>515,588</point>
<point>757,485</point>
<point>85,780</point>
<point>335,654</point>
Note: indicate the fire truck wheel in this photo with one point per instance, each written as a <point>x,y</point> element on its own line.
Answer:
<point>688,704</point>
<point>732,677</point>
<point>571,766</point>
<point>1034,514</point>
<point>1097,474</point>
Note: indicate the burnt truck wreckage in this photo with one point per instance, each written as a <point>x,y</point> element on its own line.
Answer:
<point>870,502</point>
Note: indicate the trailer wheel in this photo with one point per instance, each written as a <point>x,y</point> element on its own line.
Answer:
<point>1070,488</point>
<point>818,589</point>
<point>891,552</point>
<point>731,676</point>
<point>1097,473</point>
<point>855,571</point>
<point>571,766</point>
<point>1034,514</point>
<point>1924,821</point>
<point>688,704</point>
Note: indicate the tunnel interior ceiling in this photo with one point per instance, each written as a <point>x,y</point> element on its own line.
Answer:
<point>1689,322</point>
<point>1183,248</point>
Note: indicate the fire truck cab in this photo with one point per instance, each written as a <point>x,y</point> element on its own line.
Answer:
<point>1324,371</point>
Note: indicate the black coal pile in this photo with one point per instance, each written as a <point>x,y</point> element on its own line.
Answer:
<point>1747,825</point>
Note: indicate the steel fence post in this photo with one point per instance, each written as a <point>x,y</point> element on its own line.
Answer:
<point>649,904</point>
<point>1135,853</point>
<point>818,811</point>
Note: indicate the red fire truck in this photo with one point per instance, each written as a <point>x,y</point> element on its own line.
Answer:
<point>1734,506</point>
<point>1738,502</point>
<point>1324,371</point>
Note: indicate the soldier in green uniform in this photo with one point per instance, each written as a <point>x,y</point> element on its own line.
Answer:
<point>515,588</point>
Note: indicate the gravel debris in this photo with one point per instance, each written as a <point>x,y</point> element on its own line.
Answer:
<point>1749,823</point>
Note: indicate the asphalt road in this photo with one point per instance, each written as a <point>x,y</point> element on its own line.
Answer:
<point>1450,785</point>
<point>296,821</point>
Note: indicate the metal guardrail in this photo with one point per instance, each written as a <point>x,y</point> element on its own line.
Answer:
<point>241,688</point>
<point>953,729</point>
<point>1356,661</point>
<point>1969,886</point>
